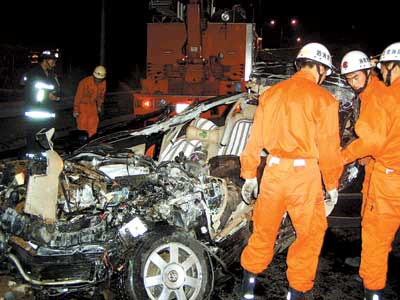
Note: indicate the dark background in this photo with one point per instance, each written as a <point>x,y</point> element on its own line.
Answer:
<point>74,27</point>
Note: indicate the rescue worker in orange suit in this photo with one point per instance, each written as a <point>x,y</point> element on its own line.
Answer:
<point>357,69</point>
<point>89,99</point>
<point>380,138</point>
<point>297,123</point>
<point>42,91</point>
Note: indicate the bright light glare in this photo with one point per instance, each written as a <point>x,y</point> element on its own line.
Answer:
<point>40,95</point>
<point>179,107</point>
<point>146,103</point>
<point>40,114</point>
<point>42,85</point>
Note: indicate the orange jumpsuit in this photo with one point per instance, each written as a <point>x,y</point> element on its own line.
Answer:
<point>297,123</point>
<point>368,168</point>
<point>88,99</point>
<point>370,104</point>
<point>380,138</point>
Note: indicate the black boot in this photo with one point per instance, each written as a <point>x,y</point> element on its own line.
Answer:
<point>295,295</point>
<point>373,294</point>
<point>248,284</point>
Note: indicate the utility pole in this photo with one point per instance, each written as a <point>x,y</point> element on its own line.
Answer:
<point>103,33</point>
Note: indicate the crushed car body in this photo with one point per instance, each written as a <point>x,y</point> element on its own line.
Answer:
<point>103,220</point>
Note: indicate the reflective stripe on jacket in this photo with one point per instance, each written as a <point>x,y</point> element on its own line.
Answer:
<point>37,88</point>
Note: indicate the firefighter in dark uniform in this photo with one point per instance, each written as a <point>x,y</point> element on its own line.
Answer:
<point>42,90</point>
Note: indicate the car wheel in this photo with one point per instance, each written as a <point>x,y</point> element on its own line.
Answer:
<point>173,266</point>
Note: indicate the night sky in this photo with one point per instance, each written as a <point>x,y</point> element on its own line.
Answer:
<point>74,27</point>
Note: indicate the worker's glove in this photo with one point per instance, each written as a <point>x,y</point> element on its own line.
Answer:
<point>353,172</point>
<point>331,201</point>
<point>76,114</point>
<point>250,187</point>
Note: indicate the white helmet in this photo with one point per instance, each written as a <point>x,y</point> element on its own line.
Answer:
<point>354,61</point>
<point>99,72</point>
<point>318,53</point>
<point>391,53</point>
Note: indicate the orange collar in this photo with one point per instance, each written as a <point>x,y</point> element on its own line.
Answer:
<point>305,75</point>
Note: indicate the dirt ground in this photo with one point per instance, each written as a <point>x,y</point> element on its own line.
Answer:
<point>335,280</point>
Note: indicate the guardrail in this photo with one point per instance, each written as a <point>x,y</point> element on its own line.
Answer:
<point>15,108</point>
<point>12,135</point>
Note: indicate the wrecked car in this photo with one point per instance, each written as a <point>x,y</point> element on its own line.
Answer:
<point>151,213</point>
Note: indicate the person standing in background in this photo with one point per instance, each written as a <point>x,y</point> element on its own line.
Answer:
<point>89,99</point>
<point>42,90</point>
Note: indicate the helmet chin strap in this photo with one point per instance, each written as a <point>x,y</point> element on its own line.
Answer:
<point>367,76</point>
<point>389,74</point>
<point>320,74</point>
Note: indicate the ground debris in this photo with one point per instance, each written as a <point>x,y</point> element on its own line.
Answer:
<point>335,279</point>
<point>10,289</point>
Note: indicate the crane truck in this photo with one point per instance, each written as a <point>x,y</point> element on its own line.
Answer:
<point>192,57</point>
